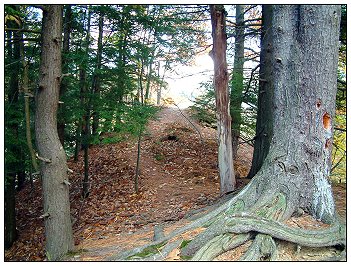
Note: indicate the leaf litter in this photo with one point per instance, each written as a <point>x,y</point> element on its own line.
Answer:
<point>178,175</point>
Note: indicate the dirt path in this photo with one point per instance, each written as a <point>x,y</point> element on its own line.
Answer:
<point>178,174</point>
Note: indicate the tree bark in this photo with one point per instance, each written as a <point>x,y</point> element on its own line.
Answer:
<point>305,55</point>
<point>58,227</point>
<point>10,233</point>
<point>237,80</point>
<point>96,78</point>
<point>86,117</point>
<point>61,123</point>
<point>14,167</point>
<point>161,84</point>
<point>264,122</point>
<point>148,83</point>
<point>225,152</point>
<point>27,115</point>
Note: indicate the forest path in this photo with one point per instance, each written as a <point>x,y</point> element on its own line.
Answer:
<point>178,175</point>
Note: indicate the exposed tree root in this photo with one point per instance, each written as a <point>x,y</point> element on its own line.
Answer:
<point>262,248</point>
<point>227,227</point>
<point>219,245</point>
<point>334,235</point>
<point>159,253</point>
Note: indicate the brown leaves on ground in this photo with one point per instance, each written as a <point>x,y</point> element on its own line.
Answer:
<point>178,174</point>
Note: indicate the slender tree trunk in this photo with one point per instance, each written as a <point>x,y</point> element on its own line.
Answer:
<point>96,78</point>
<point>10,211</point>
<point>122,61</point>
<point>85,145</point>
<point>27,96</point>
<point>148,83</point>
<point>78,141</point>
<point>13,166</point>
<point>21,166</point>
<point>225,152</point>
<point>58,227</point>
<point>61,122</point>
<point>27,115</point>
<point>141,87</point>
<point>10,170</point>
<point>86,117</point>
<point>159,88</point>
<point>264,122</point>
<point>137,168</point>
<point>237,81</point>
<point>80,124</point>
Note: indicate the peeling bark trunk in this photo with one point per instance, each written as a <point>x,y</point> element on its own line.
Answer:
<point>225,152</point>
<point>58,227</point>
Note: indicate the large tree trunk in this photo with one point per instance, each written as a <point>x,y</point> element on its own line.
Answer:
<point>237,80</point>
<point>295,173</point>
<point>225,152</point>
<point>264,122</point>
<point>305,52</point>
<point>58,227</point>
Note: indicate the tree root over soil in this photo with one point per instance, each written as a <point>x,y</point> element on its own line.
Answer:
<point>227,227</point>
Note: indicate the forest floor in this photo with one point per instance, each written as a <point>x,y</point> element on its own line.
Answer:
<point>178,175</point>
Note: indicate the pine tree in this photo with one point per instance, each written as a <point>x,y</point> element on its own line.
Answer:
<point>58,226</point>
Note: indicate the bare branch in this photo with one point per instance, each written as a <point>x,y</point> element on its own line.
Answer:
<point>45,215</point>
<point>42,158</point>
<point>66,182</point>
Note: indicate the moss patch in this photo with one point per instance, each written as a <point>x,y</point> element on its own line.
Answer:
<point>148,251</point>
<point>184,243</point>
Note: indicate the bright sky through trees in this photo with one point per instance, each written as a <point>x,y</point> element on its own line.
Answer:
<point>184,82</point>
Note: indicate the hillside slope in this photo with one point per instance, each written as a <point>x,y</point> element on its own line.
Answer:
<point>178,175</point>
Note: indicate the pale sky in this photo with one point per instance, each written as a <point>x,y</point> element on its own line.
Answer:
<point>185,85</point>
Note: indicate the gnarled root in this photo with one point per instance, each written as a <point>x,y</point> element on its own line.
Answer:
<point>227,227</point>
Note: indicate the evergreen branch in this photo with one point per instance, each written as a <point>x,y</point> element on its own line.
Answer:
<point>22,30</point>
